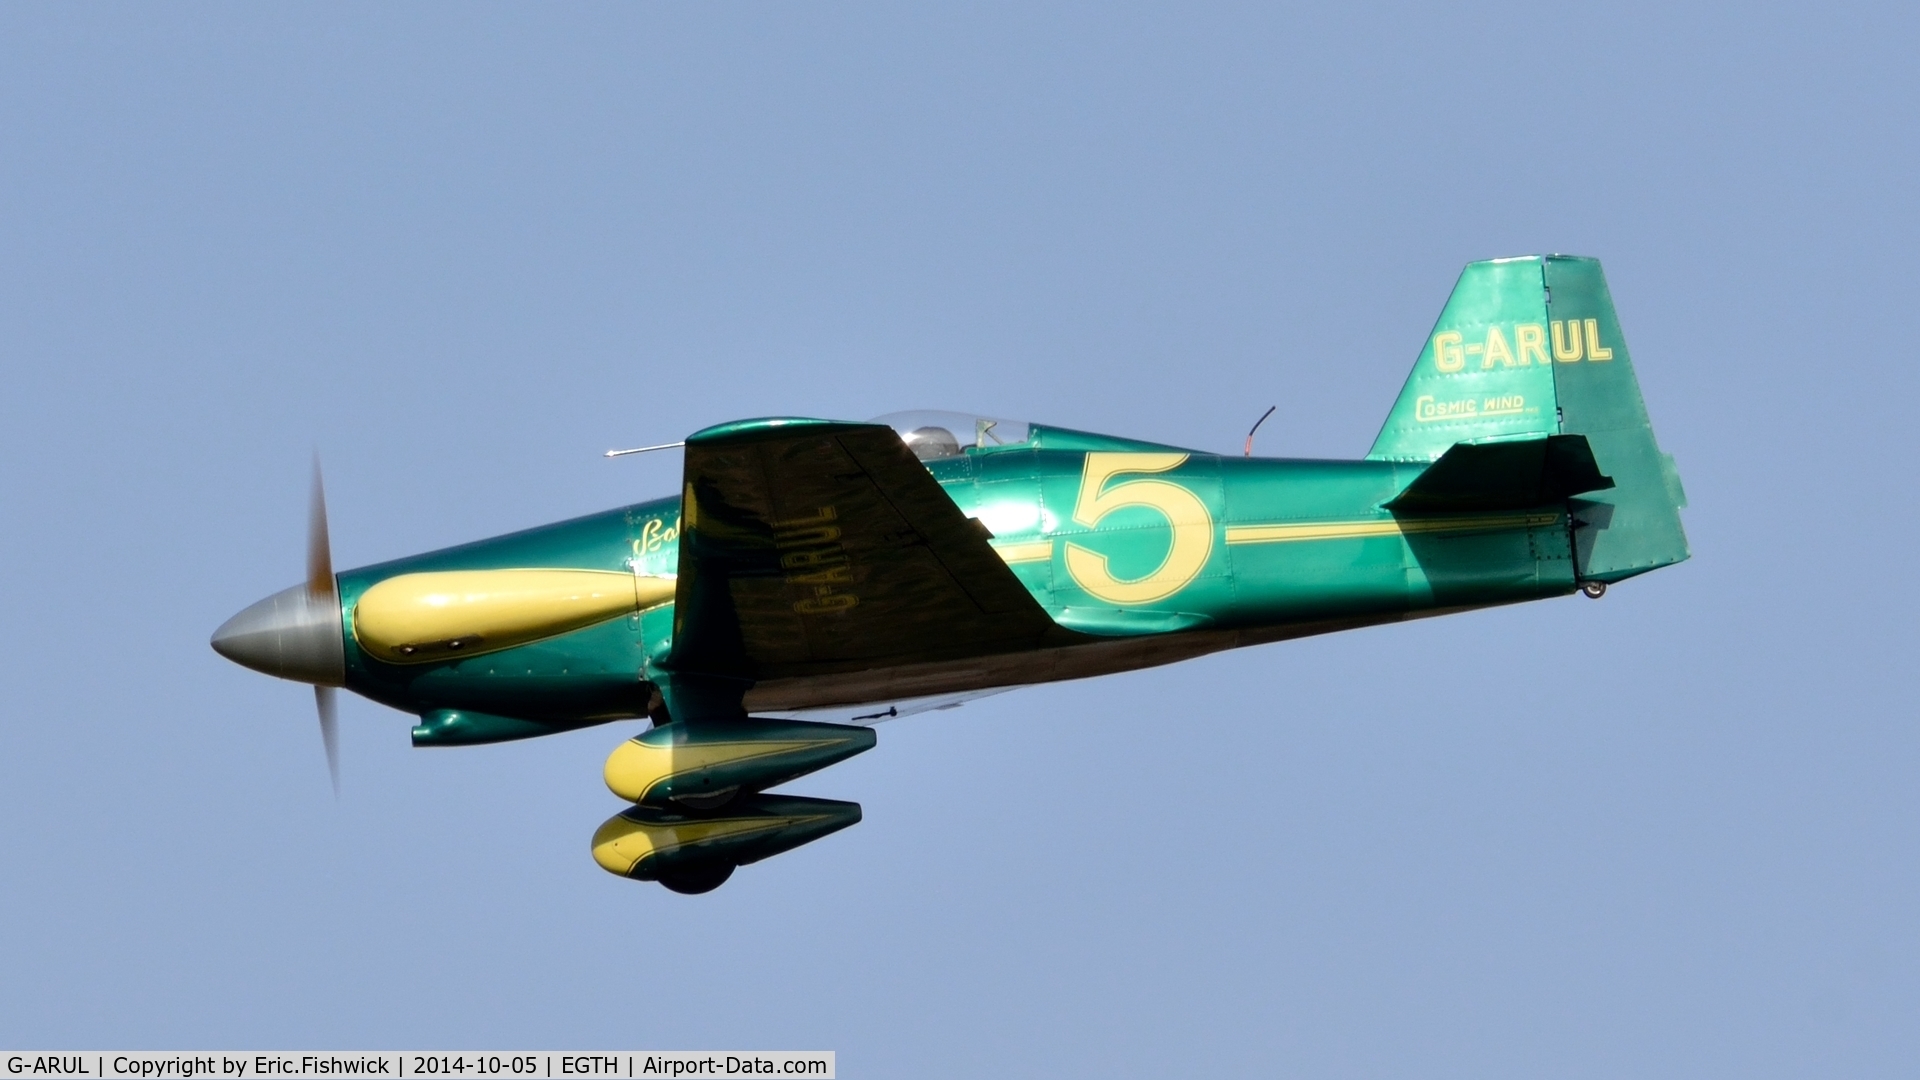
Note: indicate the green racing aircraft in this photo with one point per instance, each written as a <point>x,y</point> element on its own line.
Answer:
<point>814,577</point>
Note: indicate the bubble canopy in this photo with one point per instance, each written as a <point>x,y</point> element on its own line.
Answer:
<point>933,434</point>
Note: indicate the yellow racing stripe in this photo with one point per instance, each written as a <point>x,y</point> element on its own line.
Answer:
<point>1038,551</point>
<point>1349,530</point>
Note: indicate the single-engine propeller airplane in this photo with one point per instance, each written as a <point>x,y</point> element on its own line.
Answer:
<point>860,571</point>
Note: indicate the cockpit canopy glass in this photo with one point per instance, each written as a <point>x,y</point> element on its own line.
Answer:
<point>933,434</point>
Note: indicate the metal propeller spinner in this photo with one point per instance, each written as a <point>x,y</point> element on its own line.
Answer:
<point>296,633</point>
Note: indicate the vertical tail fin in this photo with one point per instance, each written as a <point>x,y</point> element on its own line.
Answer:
<point>1531,347</point>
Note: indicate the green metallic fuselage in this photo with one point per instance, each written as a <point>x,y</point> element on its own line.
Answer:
<point>1290,547</point>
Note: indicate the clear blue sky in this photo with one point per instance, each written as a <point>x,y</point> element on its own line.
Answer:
<point>463,249</point>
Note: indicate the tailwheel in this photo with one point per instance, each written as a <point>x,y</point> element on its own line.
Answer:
<point>1593,590</point>
<point>694,880</point>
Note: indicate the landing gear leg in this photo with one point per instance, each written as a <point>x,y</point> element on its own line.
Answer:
<point>657,707</point>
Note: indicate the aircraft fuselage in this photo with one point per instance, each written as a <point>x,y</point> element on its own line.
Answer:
<point>1154,554</point>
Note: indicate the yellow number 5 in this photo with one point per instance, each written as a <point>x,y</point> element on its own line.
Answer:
<point>1191,525</point>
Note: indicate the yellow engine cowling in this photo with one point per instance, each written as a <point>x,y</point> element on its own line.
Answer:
<point>420,618</point>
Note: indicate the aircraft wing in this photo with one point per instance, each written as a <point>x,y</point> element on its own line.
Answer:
<point>810,547</point>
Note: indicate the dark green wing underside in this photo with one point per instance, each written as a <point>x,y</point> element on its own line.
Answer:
<point>810,547</point>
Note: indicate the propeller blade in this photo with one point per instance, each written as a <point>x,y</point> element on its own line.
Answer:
<point>320,584</point>
<point>321,589</point>
<point>329,732</point>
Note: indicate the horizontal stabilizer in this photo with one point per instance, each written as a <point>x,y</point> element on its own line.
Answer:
<point>1511,475</point>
